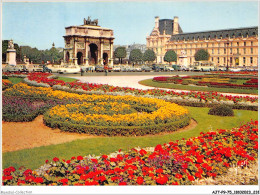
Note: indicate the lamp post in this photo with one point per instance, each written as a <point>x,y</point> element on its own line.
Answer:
<point>227,54</point>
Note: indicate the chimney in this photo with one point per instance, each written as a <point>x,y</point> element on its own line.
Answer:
<point>157,22</point>
<point>175,25</point>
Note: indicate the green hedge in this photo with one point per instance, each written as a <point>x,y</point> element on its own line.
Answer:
<point>117,130</point>
<point>19,118</point>
<point>209,105</point>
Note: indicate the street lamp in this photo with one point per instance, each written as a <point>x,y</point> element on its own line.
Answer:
<point>227,54</point>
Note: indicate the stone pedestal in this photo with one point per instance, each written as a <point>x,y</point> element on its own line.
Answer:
<point>183,61</point>
<point>11,56</point>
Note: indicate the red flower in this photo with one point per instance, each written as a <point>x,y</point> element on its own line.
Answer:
<point>73,158</point>
<point>79,158</point>
<point>162,179</point>
<point>175,183</point>
<point>191,178</point>
<point>197,174</point>
<point>29,178</point>
<point>55,159</point>
<point>94,160</point>
<point>178,176</point>
<point>38,180</point>
<point>27,172</point>
<point>142,152</point>
<point>140,180</point>
<point>68,161</point>
<point>20,182</point>
<point>46,161</point>
<point>160,170</point>
<point>104,156</point>
<point>122,183</point>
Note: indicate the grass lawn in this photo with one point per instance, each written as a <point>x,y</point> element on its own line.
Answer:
<point>15,80</point>
<point>66,79</point>
<point>150,82</point>
<point>33,158</point>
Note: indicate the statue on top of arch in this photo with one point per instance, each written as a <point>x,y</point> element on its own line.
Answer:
<point>90,22</point>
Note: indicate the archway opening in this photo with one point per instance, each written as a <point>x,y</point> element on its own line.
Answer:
<point>80,58</point>
<point>93,54</point>
<point>105,58</point>
<point>67,57</point>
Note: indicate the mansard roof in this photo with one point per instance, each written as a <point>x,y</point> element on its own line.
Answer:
<point>167,26</point>
<point>224,33</point>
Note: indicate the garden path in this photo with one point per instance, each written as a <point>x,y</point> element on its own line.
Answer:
<point>25,135</point>
<point>132,81</point>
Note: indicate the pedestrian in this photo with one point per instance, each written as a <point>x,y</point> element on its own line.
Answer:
<point>81,71</point>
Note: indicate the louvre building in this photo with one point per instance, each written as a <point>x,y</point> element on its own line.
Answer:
<point>235,47</point>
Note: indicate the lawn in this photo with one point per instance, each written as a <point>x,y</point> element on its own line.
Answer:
<point>15,80</point>
<point>66,79</point>
<point>150,82</point>
<point>33,158</point>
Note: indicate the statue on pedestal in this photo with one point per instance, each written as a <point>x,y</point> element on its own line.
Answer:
<point>10,44</point>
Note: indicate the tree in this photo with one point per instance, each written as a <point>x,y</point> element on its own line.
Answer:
<point>120,53</point>
<point>149,56</point>
<point>136,55</point>
<point>202,54</point>
<point>170,56</point>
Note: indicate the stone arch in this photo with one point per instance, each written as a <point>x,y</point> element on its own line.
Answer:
<point>105,58</point>
<point>80,58</point>
<point>93,53</point>
<point>67,57</point>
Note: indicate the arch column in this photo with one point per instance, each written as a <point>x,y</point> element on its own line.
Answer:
<point>86,53</point>
<point>101,52</point>
<point>110,63</point>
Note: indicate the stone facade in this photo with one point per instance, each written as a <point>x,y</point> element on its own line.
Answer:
<point>88,44</point>
<point>232,47</point>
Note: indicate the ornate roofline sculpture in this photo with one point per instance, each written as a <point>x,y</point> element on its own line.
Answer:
<point>90,22</point>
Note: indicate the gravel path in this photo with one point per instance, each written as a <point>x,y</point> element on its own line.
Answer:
<point>25,135</point>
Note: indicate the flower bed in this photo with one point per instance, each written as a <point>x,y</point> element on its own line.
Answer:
<point>6,84</point>
<point>185,98</point>
<point>124,115</point>
<point>19,109</point>
<point>210,81</point>
<point>176,163</point>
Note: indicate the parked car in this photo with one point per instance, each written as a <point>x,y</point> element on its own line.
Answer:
<point>35,68</point>
<point>116,68</point>
<point>99,69</point>
<point>168,68</point>
<point>46,69</point>
<point>22,68</point>
<point>146,69</point>
<point>221,68</point>
<point>156,68</point>
<point>235,69</point>
<point>10,68</point>
<point>72,69</point>
<point>137,69</point>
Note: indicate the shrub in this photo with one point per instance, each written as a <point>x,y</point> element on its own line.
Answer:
<point>221,110</point>
<point>4,77</point>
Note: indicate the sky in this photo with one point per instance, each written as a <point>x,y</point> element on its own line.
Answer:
<point>40,24</point>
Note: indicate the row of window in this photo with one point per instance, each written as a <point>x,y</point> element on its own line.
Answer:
<point>224,44</point>
<point>219,51</point>
<point>231,60</point>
